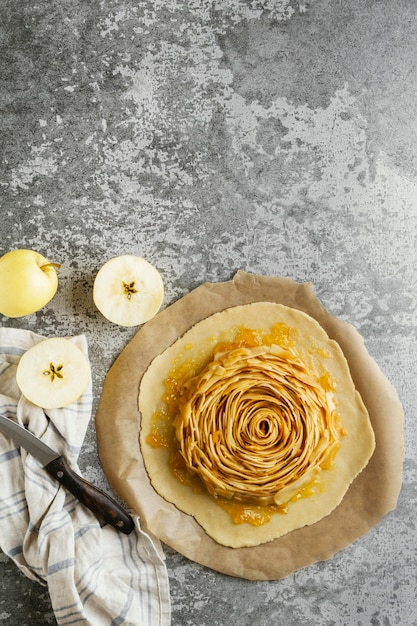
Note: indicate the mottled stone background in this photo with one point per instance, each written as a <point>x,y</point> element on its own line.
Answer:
<point>273,136</point>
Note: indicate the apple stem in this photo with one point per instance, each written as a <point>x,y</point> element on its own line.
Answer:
<point>57,265</point>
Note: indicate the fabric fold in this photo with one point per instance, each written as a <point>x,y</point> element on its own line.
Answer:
<point>95,575</point>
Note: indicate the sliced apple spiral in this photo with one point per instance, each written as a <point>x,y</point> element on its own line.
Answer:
<point>256,426</point>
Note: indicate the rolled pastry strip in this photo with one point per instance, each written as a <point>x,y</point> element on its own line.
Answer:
<point>256,426</point>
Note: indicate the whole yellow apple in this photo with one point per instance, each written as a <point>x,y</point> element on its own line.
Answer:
<point>28,281</point>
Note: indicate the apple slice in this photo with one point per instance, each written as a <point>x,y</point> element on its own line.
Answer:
<point>128,290</point>
<point>53,373</point>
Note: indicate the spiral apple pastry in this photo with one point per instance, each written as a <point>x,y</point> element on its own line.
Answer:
<point>251,424</point>
<point>256,426</point>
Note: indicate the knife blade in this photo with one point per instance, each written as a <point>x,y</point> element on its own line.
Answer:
<point>101,504</point>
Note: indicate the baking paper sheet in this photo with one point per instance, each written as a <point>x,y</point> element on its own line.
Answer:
<point>372,494</point>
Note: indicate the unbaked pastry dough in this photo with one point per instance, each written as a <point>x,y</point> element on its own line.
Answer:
<point>251,423</point>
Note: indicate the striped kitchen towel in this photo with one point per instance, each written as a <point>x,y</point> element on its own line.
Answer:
<point>95,575</point>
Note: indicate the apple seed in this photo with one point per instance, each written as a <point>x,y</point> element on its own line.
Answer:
<point>129,289</point>
<point>53,372</point>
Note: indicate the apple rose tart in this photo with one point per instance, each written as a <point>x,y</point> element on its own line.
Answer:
<point>251,423</point>
<point>256,426</point>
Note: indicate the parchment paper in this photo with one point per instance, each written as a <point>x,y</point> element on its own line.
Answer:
<point>372,494</point>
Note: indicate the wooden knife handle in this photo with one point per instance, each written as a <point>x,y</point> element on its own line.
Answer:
<point>101,504</point>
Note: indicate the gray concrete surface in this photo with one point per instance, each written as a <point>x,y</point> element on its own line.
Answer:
<point>273,136</point>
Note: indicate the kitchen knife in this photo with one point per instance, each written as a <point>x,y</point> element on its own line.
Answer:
<point>102,505</point>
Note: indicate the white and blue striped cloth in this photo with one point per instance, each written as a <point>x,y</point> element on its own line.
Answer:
<point>95,575</point>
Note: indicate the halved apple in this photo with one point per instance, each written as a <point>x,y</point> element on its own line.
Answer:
<point>53,373</point>
<point>128,290</point>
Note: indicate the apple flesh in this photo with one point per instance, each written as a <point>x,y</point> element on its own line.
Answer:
<point>28,281</point>
<point>53,373</point>
<point>128,290</point>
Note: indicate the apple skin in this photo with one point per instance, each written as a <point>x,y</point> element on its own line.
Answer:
<point>28,281</point>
